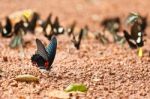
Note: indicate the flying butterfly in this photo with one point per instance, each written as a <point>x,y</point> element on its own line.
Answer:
<point>7,29</point>
<point>44,57</point>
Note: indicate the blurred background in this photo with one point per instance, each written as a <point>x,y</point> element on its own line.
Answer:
<point>89,12</point>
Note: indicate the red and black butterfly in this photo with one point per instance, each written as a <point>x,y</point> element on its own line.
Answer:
<point>44,57</point>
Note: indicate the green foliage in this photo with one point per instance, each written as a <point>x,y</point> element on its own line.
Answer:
<point>76,87</point>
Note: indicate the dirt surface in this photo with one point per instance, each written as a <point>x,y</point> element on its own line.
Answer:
<point>109,71</point>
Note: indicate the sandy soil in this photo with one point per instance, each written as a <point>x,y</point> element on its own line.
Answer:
<point>109,71</point>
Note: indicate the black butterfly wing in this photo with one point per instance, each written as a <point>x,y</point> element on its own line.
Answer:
<point>51,49</point>
<point>144,24</point>
<point>41,49</point>
<point>18,26</point>
<point>7,29</point>
<point>32,23</point>
<point>56,23</point>
<point>80,36</point>
<point>8,25</point>
<point>71,28</point>
<point>46,22</point>
<point>139,40</point>
<point>1,27</point>
<point>47,26</point>
<point>57,28</point>
<point>129,38</point>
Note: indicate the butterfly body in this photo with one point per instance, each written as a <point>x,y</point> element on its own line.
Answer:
<point>44,57</point>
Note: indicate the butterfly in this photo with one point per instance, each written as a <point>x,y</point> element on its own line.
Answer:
<point>19,32</point>
<point>44,57</point>
<point>78,42</point>
<point>71,28</point>
<point>134,40</point>
<point>47,27</point>
<point>7,29</point>
<point>31,25</point>
<point>56,27</point>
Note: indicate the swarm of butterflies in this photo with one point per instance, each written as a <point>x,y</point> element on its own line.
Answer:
<point>44,57</point>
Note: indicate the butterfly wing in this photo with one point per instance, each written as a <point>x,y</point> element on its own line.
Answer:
<point>1,27</point>
<point>80,36</point>
<point>57,28</point>
<point>129,38</point>
<point>7,29</point>
<point>47,26</point>
<point>51,49</point>
<point>71,28</point>
<point>139,40</point>
<point>32,23</point>
<point>41,49</point>
<point>8,25</point>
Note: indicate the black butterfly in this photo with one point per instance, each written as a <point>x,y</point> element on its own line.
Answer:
<point>7,29</point>
<point>44,57</point>
<point>134,40</point>
<point>71,28</point>
<point>18,27</point>
<point>47,27</point>
<point>31,25</point>
<point>56,27</point>
<point>78,42</point>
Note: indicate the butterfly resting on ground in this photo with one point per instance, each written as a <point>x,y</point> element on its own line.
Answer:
<point>44,57</point>
<point>77,42</point>
<point>7,29</point>
<point>134,40</point>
